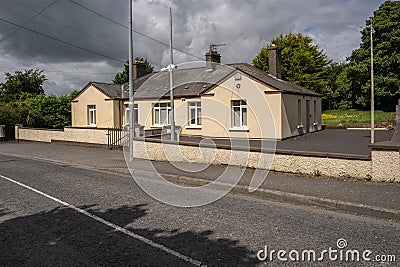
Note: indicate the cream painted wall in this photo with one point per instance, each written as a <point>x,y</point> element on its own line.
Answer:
<point>105,109</point>
<point>263,119</point>
<point>118,113</point>
<point>270,114</point>
<point>217,111</point>
<point>290,114</point>
<point>182,116</point>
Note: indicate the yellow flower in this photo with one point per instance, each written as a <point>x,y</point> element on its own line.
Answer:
<point>328,116</point>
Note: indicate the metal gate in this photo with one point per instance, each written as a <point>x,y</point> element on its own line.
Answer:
<point>117,138</point>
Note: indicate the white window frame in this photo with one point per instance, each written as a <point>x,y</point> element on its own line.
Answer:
<point>127,114</point>
<point>157,119</point>
<point>242,106</point>
<point>196,106</point>
<point>92,115</point>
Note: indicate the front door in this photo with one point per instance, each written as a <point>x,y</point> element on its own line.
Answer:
<point>308,126</point>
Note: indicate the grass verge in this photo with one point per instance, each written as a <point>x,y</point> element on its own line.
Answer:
<point>357,117</point>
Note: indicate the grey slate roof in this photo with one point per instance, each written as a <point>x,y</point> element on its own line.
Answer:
<point>187,83</point>
<point>193,82</point>
<point>266,78</point>
<point>114,91</point>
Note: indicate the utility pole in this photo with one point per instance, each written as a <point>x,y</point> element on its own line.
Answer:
<point>371,30</point>
<point>171,68</point>
<point>131,87</point>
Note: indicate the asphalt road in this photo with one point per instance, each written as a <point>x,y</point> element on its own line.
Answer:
<point>86,217</point>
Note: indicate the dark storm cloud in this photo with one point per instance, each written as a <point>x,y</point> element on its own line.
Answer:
<point>90,32</point>
<point>245,26</point>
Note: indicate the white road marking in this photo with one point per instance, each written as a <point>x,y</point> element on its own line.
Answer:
<point>110,224</point>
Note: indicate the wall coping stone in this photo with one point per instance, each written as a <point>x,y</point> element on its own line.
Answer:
<point>387,146</point>
<point>258,149</point>
<point>40,129</point>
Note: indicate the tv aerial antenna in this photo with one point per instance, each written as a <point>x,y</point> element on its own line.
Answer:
<point>213,47</point>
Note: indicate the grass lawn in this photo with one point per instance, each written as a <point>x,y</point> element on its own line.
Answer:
<point>356,117</point>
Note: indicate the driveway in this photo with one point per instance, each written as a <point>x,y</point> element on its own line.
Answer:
<point>341,141</point>
<point>338,141</point>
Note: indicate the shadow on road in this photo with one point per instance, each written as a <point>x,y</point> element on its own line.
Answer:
<point>63,236</point>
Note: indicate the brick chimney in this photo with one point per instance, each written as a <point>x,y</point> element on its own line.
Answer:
<point>274,61</point>
<point>212,58</point>
<point>139,68</point>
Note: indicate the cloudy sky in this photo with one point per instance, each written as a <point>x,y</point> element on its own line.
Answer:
<point>89,38</point>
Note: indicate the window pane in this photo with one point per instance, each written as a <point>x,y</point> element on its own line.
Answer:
<point>244,117</point>
<point>127,117</point>
<point>156,116</point>
<point>236,117</point>
<point>236,103</point>
<point>163,116</point>
<point>192,116</point>
<point>199,116</point>
<point>93,117</point>
<point>136,117</point>
<point>92,114</point>
<point>136,113</point>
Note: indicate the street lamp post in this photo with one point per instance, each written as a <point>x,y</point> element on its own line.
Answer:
<point>171,83</point>
<point>131,88</point>
<point>171,67</point>
<point>371,31</point>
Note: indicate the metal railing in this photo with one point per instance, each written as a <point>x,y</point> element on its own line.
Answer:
<point>117,138</point>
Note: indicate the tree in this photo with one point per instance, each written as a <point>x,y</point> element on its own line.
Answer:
<point>29,82</point>
<point>355,82</point>
<point>47,111</point>
<point>9,116</point>
<point>332,97</point>
<point>123,77</point>
<point>33,108</point>
<point>303,63</point>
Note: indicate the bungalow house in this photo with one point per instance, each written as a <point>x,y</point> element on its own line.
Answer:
<point>237,100</point>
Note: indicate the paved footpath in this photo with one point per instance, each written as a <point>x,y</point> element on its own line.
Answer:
<point>380,200</point>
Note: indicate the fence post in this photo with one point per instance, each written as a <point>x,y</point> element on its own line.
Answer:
<point>108,137</point>
<point>16,134</point>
